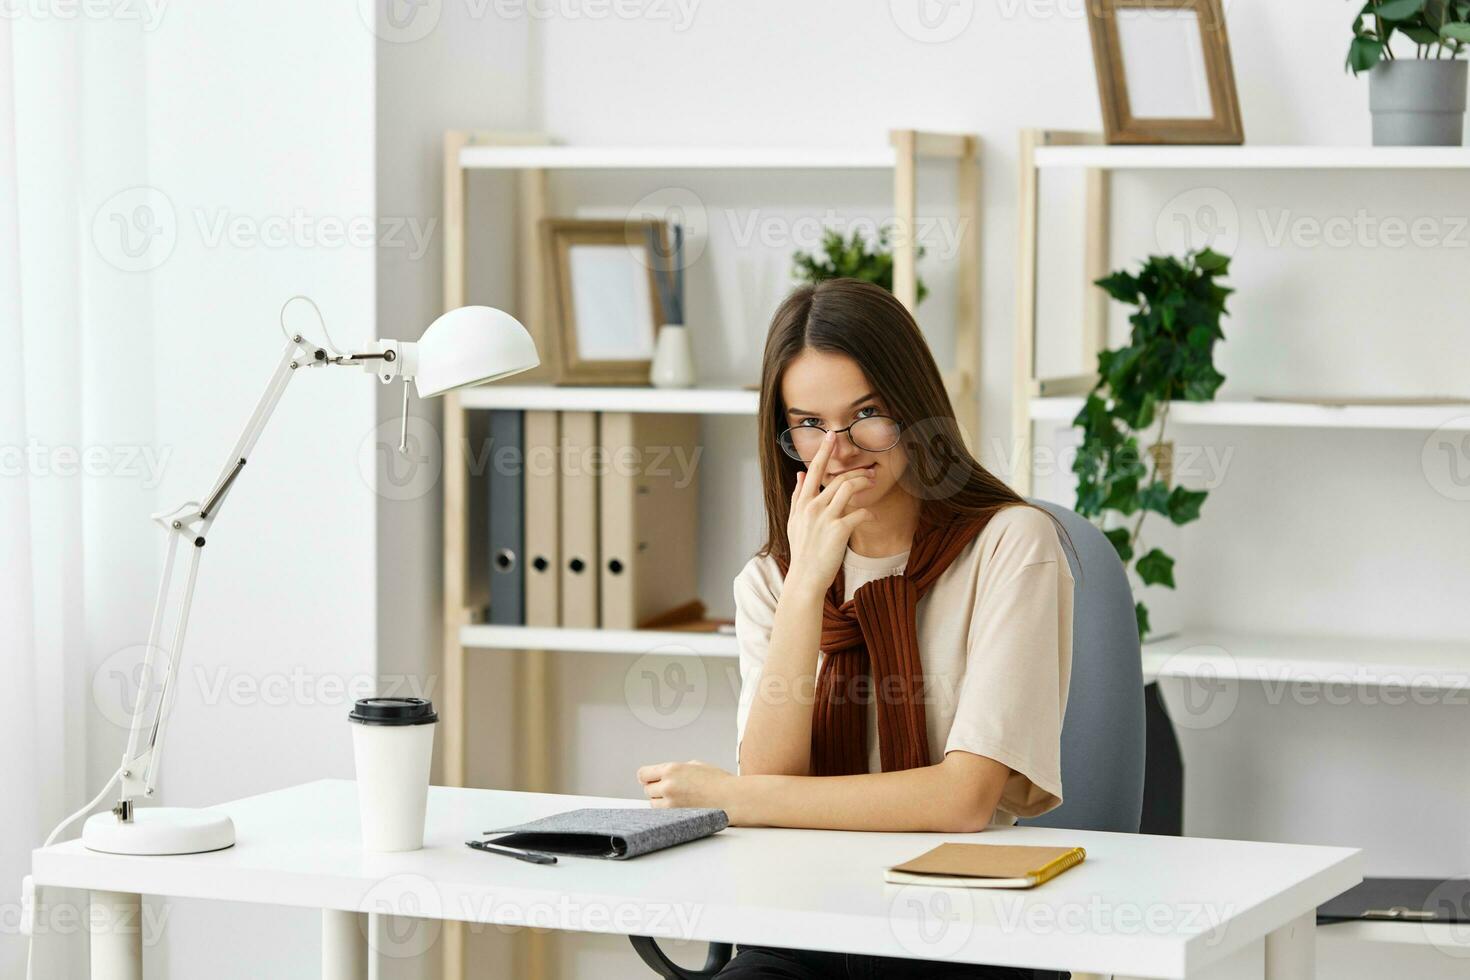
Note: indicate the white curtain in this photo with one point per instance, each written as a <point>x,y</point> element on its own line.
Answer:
<point>77,553</point>
<point>23,704</point>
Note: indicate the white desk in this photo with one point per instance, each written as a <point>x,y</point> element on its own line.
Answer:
<point>1140,906</point>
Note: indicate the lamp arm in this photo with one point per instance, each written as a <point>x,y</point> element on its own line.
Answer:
<point>189,525</point>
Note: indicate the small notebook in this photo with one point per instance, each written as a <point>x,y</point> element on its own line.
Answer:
<point>613,833</point>
<point>985,866</point>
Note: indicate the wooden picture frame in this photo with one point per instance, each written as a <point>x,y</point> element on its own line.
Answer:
<point>1157,34</point>
<point>618,257</point>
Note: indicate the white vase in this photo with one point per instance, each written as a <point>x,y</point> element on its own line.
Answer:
<point>673,359</point>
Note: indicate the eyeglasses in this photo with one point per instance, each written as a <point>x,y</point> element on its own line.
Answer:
<point>872,434</point>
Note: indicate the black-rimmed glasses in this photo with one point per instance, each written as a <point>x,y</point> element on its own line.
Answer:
<point>872,434</point>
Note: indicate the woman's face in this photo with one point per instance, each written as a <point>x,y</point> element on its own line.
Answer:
<point>829,390</point>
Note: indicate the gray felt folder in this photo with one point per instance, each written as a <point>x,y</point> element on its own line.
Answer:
<point>613,833</point>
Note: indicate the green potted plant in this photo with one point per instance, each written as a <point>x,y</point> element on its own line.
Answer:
<point>853,257</point>
<point>1169,357</point>
<point>1418,101</point>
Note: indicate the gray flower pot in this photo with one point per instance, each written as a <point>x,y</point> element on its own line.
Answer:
<point>1417,102</point>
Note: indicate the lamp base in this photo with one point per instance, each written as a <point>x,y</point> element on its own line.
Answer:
<point>160,830</point>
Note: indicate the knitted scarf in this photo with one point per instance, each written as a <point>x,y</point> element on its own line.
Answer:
<point>870,648</point>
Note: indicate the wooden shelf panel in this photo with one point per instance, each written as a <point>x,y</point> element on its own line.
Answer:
<point>1353,661</point>
<point>680,401</point>
<point>1455,417</point>
<point>635,642</point>
<point>876,157</point>
<point>1254,157</point>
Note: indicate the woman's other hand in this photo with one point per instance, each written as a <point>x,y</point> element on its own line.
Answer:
<point>693,783</point>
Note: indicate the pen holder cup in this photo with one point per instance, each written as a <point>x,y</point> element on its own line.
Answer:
<point>673,358</point>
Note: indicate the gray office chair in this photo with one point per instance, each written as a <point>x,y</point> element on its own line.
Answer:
<point>1102,734</point>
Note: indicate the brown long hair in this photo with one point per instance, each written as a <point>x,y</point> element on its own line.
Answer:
<point>865,322</point>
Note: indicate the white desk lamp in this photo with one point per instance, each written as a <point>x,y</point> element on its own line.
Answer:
<point>463,347</point>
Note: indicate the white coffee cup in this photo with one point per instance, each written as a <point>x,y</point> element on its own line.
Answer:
<point>393,746</point>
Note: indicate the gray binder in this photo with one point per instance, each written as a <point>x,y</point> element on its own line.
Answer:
<point>507,518</point>
<point>614,833</point>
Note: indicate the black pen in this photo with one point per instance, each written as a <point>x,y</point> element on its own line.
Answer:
<point>531,857</point>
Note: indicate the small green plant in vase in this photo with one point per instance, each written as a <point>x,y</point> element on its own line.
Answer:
<point>853,257</point>
<point>1178,305</point>
<point>1415,101</point>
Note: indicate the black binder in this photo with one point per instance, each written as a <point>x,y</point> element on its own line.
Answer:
<point>1402,900</point>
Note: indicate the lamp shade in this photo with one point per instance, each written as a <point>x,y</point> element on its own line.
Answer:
<point>470,345</point>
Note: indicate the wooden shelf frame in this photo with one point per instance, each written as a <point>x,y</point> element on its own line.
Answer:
<point>531,157</point>
<point>1096,218</point>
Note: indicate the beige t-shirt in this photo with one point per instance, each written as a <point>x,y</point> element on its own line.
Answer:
<point>995,639</point>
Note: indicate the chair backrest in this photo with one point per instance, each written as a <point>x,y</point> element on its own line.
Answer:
<point>1103,731</point>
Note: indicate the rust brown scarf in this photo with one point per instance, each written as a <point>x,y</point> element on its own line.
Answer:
<point>870,649</point>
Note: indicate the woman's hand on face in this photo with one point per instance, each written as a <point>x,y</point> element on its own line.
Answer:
<point>693,783</point>
<point>820,522</point>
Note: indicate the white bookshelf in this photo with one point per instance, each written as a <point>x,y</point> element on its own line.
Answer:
<point>1428,417</point>
<point>680,401</point>
<point>1103,157</point>
<point>1357,662</point>
<point>635,642</point>
<point>530,163</point>
<point>1037,399</point>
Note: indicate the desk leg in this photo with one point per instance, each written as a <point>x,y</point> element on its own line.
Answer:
<point>344,945</point>
<point>115,925</point>
<point>1291,951</point>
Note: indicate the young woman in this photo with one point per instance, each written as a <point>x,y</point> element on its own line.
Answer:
<point>905,632</point>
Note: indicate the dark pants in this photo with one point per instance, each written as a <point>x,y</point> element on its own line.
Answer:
<point>771,963</point>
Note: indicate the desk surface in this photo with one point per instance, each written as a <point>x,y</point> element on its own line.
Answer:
<point>1143,906</point>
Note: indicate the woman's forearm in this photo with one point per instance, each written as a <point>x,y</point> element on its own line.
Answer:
<point>958,795</point>
<point>777,738</point>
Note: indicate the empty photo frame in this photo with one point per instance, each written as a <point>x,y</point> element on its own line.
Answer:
<point>1164,72</point>
<point>603,298</point>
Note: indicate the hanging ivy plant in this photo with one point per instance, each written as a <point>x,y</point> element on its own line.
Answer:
<point>1170,356</point>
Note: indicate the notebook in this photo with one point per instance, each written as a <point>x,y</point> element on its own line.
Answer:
<point>616,833</point>
<point>985,866</point>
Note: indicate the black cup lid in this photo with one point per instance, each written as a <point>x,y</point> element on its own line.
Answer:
<point>393,711</point>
